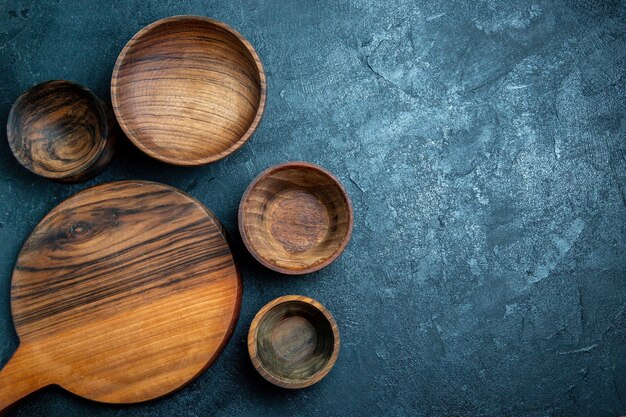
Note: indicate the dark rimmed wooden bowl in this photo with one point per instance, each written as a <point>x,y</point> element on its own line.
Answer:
<point>62,131</point>
<point>293,341</point>
<point>188,90</point>
<point>295,218</point>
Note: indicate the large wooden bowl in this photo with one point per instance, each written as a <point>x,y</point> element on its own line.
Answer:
<point>293,341</point>
<point>295,218</point>
<point>62,131</point>
<point>188,90</point>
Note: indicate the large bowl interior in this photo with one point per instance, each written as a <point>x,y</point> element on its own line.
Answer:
<point>57,129</point>
<point>294,342</point>
<point>296,218</point>
<point>188,90</point>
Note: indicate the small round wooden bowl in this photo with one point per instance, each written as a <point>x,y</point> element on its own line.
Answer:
<point>295,218</point>
<point>62,131</point>
<point>293,341</point>
<point>188,90</point>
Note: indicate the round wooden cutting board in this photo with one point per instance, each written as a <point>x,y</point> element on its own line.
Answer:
<point>122,293</point>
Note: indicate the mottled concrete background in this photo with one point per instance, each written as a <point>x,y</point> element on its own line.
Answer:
<point>484,147</point>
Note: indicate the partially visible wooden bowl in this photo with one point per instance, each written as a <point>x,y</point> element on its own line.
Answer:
<point>62,131</point>
<point>188,90</point>
<point>295,218</point>
<point>293,341</point>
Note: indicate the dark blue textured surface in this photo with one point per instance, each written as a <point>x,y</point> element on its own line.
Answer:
<point>484,146</point>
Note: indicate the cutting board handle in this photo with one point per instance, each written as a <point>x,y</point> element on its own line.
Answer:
<point>20,377</point>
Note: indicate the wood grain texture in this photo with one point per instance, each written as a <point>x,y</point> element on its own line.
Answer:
<point>295,218</point>
<point>293,341</point>
<point>122,293</point>
<point>188,90</point>
<point>62,131</point>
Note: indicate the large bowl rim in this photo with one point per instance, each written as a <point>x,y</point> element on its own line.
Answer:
<point>173,160</point>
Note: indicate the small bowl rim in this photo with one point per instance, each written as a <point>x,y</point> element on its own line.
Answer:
<point>101,111</point>
<point>252,345</point>
<point>297,165</point>
<point>211,158</point>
